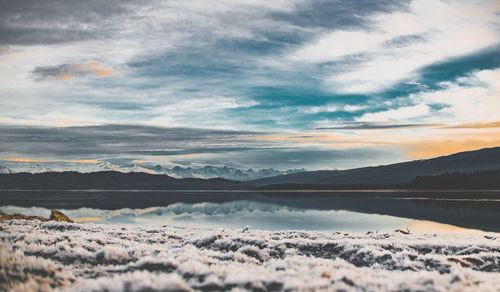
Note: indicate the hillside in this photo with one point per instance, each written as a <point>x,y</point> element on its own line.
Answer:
<point>109,180</point>
<point>483,159</point>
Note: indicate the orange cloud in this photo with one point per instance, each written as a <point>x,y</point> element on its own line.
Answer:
<point>416,143</point>
<point>70,71</point>
<point>147,210</point>
<point>101,72</point>
<point>439,147</point>
<point>94,67</point>
<point>85,161</point>
<point>65,77</point>
<point>476,125</point>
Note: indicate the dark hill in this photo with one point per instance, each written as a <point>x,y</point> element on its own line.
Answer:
<point>484,159</point>
<point>110,180</point>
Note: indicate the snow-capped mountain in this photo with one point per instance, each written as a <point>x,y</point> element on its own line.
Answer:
<point>38,168</point>
<point>5,170</point>
<point>177,171</point>
<point>91,167</point>
<point>57,167</point>
<point>221,172</point>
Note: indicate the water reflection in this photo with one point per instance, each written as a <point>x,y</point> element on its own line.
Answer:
<point>234,215</point>
<point>271,210</point>
<point>428,227</point>
<point>257,215</point>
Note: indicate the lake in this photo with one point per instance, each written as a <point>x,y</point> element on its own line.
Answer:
<point>335,211</point>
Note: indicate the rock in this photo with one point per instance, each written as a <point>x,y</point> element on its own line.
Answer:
<point>402,231</point>
<point>347,281</point>
<point>4,216</point>
<point>475,261</point>
<point>55,215</point>
<point>459,261</point>
<point>59,216</point>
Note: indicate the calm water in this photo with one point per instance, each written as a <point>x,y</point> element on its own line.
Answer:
<point>358,211</point>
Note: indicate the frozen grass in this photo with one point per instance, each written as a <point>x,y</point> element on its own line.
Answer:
<point>95,257</point>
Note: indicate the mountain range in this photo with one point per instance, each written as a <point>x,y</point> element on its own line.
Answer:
<point>393,175</point>
<point>225,172</point>
<point>206,172</point>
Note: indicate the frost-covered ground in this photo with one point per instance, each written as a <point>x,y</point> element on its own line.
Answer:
<point>97,257</point>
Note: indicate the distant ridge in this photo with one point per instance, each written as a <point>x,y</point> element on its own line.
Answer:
<point>483,159</point>
<point>109,180</point>
<point>397,175</point>
<point>231,173</point>
<point>206,172</point>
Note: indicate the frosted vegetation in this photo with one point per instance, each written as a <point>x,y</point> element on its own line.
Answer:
<point>113,257</point>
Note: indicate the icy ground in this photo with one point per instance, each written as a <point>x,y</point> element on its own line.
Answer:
<point>97,257</point>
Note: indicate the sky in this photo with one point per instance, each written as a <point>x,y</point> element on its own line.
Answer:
<point>309,84</point>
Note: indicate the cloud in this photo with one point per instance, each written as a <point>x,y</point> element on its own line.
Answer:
<point>319,109</point>
<point>85,161</point>
<point>400,43</point>
<point>122,144</point>
<point>476,125</point>
<point>158,51</point>
<point>171,61</point>
<point>311,158</point>
<point>395,67</point>
<point>28,160</point>
<point>336,15</point>
<point>34,22</point>
<point>430,148</point>
<point>116,140</point>
<point>403,113</point>
<point>70,71</point>
<point>374,126</point>
<point>467,100</point>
